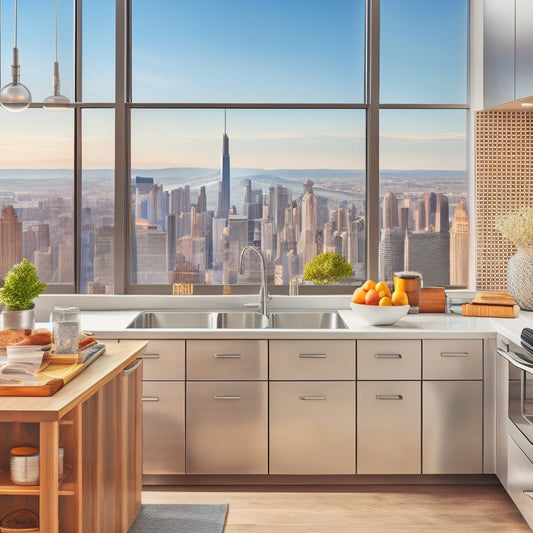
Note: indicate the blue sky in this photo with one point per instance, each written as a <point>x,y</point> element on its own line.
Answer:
<point>248,51</point>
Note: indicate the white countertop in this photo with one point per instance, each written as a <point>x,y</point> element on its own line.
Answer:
<point>109,324</point>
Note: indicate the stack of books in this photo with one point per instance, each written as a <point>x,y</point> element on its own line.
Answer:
<point>492,304</point>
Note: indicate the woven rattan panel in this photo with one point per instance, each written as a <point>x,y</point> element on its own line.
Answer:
<point>504,181</point>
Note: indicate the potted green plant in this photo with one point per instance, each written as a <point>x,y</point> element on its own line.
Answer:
<point>327,268</point>
<point>20,287</point>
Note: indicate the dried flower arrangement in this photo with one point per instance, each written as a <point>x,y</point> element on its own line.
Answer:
<point>517,226</point>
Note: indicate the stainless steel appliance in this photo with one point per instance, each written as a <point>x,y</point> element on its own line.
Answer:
<point>520,420</point>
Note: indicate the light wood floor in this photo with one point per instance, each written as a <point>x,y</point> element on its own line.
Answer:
<point>359,508</point>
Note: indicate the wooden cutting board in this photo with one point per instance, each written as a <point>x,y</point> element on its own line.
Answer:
<point>493,298</point>
<point>55,376</point>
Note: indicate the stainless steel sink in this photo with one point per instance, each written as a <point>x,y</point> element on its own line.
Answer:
<point>237,320</point>
<point>306,320</point>
<point>242,320</point>
<point>173,320</point>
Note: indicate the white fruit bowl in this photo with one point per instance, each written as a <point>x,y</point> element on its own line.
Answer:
<point>374,315</point>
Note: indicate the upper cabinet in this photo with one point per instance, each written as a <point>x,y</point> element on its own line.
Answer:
<point>507,51</point>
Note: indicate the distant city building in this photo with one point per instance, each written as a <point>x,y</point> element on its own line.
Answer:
<point>307,248</point>
<point>224,192</point>
<point>391,252</point>
<point>459,244</point>
<point>10,239</point>
<point>429,253</point>
<point>390,211</point>
<point>104,257</point>
<point>151,261</point>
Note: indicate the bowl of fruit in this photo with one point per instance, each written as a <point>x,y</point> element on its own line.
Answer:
<point>375,304</point>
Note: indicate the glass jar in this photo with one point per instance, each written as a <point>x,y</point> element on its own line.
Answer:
<point>65,329</point>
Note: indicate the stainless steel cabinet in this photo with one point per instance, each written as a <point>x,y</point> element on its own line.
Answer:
<point>312,427</point>
<point>163,409</point>
<point>453,359</point>
<point>163,427</point>
<point>452,421</point>
<point>227,407</point>
<point>388,427</point>
<point>227,427</point>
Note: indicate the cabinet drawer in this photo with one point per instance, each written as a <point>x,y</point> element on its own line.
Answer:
<point>388,427</point>
<point>312,427</point>
<point>316,359</point>
<point>163,427</point>
<point>164,360</point>
<point>453,359</point>
<point>227,360</point>
<point>227,427</point>
<point>388,359</point>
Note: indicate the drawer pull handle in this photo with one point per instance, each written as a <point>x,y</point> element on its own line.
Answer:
<point>132,368</point>
<point>389,397</point>
<point>150,399</point>
<point>305,397</point>
<point>152,356</point>
<point>454,354</point>
<point>226,397</point>
<point>388,355</point>
<point>312,356</point>
<point>228,355</point>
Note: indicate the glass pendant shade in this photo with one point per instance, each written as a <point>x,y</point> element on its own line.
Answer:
<point>56,102</point>
<point>15,96</point>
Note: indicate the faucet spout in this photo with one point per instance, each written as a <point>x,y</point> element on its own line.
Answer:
<point>263,292</point>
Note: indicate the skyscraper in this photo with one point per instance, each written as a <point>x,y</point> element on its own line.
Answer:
<point>390,211</point>
<point>459,231</point>
<point>224,187</point>
<point>10,239</point>
<point>307,248</point>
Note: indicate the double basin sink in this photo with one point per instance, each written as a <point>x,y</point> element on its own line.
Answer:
<point>237,320</point>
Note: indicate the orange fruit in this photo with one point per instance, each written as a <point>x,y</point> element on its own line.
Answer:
<point>399,298</point>
<point>358,296</point>
<point>369,284</point>
<point>372,297</point>
<point>382,287</point>
<point>385,301</point>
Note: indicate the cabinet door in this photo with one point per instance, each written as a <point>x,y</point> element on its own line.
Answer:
<point>312,427</point>
<point>388,427</point>
<point>227,428</point>
<point>452,421</point>
<point>163,427</point>
<point>520,483</point>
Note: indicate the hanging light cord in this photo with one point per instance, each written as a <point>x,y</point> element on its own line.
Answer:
<point>15,24</point>
<point>56,31</point>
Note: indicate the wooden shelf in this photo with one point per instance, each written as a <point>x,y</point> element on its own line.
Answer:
<point>66,488</point>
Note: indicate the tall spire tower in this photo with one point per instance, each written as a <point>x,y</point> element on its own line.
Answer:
<point>224,187</point>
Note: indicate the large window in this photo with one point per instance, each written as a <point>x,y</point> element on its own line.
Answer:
<point>240,123</point>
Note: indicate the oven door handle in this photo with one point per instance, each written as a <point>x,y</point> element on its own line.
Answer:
<point>524,398</point>
<point>516,360</point>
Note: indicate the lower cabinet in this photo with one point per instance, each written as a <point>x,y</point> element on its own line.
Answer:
<point>164,427</point>
<point>312,427</point>
<point>452,427</point>
<point>388,427</point>
<point>227,427</point>
<point>520,481</point>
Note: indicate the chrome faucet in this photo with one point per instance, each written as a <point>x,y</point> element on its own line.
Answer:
<point>263,292</point>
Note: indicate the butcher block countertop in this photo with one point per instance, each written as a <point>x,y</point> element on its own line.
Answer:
<point>118,355</point>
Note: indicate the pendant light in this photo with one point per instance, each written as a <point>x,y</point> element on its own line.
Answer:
<point>15,96</point>
<point>56,102</point>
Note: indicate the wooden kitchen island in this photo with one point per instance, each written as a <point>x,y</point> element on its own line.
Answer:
<point>97,419</point>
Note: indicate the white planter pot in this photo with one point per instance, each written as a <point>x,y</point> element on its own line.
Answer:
<point>520,278</point>
<point>19,319</point>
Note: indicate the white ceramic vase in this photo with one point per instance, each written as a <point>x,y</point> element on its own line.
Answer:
<point>520,278</point>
